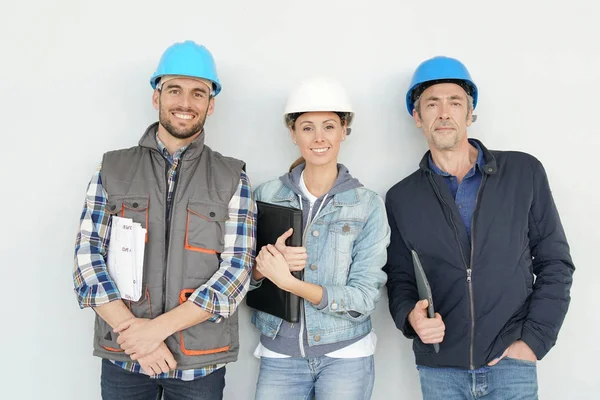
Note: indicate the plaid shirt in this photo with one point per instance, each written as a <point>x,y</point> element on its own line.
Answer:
<point>220,295</point>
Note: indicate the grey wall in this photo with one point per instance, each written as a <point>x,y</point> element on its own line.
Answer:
<point>74,83</point>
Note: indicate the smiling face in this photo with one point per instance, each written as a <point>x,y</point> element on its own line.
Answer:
<point>318,136</point>
<point>444,115</point>
<point>183,105</point>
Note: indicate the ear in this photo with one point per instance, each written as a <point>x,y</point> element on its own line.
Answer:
<point>417,119</point>
<point>211,106</point>
<point>292,134</point>
<point>156,99</point>
<point>344,132</point>
<point>470,118</point>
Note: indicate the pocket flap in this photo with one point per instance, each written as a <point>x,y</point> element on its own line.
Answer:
<point>346,227</point>
<point>115,204</point>
<point>136,203</point>
<point>208,211</point>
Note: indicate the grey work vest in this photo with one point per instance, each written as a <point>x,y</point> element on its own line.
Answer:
<point>181,255</point>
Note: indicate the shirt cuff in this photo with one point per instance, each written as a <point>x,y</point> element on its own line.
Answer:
<point>212,302</point>
<point>324,300</point>
<point>255,284</point>
<point>86,297</point>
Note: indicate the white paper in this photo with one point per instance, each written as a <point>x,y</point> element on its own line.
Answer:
<point>139,239</point>
<point>125,259</point>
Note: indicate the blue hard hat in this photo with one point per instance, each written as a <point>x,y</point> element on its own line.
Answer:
<point>439,70</point>
<point>187,59</point>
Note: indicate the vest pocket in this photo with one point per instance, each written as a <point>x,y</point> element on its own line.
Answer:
<point>140,309</point>
<point>205,227</point>
<point>133,207</point>
<point>108,339</point>
<point>196,340</point>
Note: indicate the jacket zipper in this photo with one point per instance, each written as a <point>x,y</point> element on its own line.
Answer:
<point>467,267</point>
<point>168,216</point>
<point>470,271</point>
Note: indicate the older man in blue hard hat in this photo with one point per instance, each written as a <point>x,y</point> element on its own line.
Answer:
<point>176,335</point>
<point>486,230</point>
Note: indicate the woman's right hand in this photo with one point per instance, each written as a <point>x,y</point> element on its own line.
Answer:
<point>295,256</point>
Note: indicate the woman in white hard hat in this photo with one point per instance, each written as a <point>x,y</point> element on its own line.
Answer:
<point>329,352</point>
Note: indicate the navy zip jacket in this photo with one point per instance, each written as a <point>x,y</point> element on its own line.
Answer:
<point>511,281</point>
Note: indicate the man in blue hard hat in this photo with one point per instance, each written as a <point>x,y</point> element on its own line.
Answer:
<point>176,334</point>
<point>487,232</point>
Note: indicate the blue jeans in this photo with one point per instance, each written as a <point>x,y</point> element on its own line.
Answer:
<point>119,384</point>
<point>324,377</point>
<point>510,379</point>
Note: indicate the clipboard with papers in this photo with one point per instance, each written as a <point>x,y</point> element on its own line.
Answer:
<point>424,289</point>
<point>125,260</point>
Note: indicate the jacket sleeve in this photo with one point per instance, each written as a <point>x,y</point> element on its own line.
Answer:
<point>357,299</point>
<point>401,286</point>
<point>552,267</point>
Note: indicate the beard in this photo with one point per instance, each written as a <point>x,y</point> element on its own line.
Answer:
<point>165,119</point>
<point>447,140</point>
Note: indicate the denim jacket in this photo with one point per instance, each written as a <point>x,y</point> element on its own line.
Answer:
<point>347,249</point>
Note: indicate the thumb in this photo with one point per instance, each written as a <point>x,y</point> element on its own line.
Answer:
<point>273,250</point>
<point>497,360</point>
<point>281,239</point>
<point>420,307</point>
<point>493,362</point>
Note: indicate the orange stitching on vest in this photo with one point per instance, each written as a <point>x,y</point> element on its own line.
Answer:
<point>194,248</point>
<point>111,349</point>
<point>183,296</point>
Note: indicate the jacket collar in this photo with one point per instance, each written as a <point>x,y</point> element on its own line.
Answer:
<point>490,167</point>
<point>193,151</point>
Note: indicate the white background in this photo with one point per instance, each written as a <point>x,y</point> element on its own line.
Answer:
<point>74,84</point>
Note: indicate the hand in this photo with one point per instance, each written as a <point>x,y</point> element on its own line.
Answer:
<point>272,265</point>
<point>159,361</point>
<point>519,350</point>
<point>295,256</point>
<point>430,330</point>
<point>139,337</point>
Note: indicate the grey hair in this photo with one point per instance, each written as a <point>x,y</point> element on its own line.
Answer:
<point>417,104</point>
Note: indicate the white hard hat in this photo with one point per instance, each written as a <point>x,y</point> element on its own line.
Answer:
<point>319,94</point>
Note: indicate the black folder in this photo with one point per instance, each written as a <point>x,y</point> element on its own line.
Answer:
<point>272,221</point>
<point>424,289</point>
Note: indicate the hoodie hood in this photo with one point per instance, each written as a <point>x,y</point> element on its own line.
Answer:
<point>343,182</point>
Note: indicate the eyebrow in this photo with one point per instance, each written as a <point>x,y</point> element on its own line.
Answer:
<point>173,86</point>
<point>453,97</point>
<point>324,122</point>
<point>201,89</point>
<point>176,86</point>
